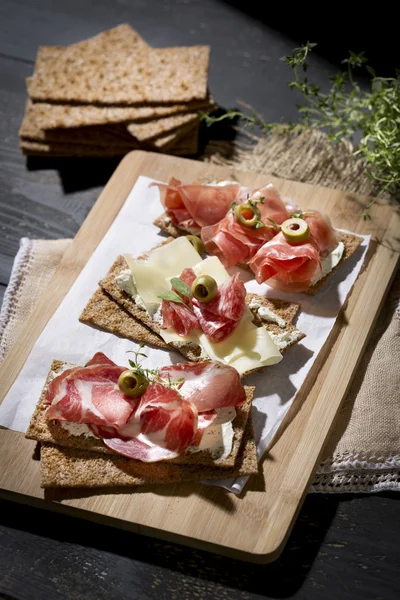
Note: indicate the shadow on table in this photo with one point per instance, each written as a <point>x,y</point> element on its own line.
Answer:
<point>280,579</point>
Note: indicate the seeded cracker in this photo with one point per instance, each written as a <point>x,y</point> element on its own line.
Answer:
<point>66,467</point>
<point>102,312</point>
<point>351,243</point>
<point>44,430</point>
<point>116,67</point>
<point>94,136</point>
<point>157,127</point>
<point>53,116</point>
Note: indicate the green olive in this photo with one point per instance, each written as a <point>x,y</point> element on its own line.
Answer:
<point>132,384</point>
<point>204,288</point>
<point>197,243</point>
<point>295,230</point>
<point>247,214</point>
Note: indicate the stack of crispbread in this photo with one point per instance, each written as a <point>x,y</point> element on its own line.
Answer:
<point>114,93</point>
<point>69,460</point>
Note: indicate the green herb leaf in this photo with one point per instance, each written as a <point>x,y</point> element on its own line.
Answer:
<point>181,287</point>
<point>259,225</point>
<point>171,296</point>
<point>233,206</point>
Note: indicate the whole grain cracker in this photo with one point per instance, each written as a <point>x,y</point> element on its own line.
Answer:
<point>94,136</point>
<point>186,146</point>
<point>67,467</point>
<point>103,312</point>
<point>351,243</point>
<point>57,116</point>
<point>116,67</point>
<point>49,431</point>
<point>149,130</point>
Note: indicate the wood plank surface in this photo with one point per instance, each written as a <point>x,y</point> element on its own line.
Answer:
<point>199,515</point>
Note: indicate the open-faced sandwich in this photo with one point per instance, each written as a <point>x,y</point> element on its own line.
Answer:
<point>108,425</point>
<point>290,250</point>
<point>196,307</point>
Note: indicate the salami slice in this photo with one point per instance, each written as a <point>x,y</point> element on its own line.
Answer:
<point>178,317</point>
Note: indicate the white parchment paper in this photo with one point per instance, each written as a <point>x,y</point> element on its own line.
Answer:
<point>64,338</point>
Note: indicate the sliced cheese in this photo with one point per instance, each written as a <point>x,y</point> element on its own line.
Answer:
<point>248,347</point>
<point>212,266</point>
<point>151,275</point>
<point>169,335</point>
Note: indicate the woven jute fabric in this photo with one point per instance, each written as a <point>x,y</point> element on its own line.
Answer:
<point>363,453</point>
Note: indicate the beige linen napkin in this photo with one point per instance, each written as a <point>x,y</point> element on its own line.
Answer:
<point>363,453</point>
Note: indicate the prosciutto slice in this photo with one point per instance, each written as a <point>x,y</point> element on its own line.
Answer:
<point>194,206</point>
<point>208,385</point>
<point>163,425</point>
<point>291,267</point>
<point>324,235</point>
<point>235,243</point>
<point>90,395</point>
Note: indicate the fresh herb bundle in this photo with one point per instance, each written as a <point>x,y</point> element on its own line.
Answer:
<point>346,109</point>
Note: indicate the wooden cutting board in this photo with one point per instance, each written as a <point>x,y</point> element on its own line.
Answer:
<point>255,525</point>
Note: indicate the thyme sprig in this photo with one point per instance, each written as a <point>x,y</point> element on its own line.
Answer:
<point>151,374</point>
<point>343,111</point>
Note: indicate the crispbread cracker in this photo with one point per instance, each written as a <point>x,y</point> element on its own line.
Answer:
<point>95,136</point>
<point>66,467</point>
<point>351,243</point>
<point>57,116</point>
<point>190,350</point>
<point>148,131</point>
<point>166,225</point>
<point>49,431</point>
<point>117,67</point>
<point>108,284</point>
<point>170,140</point>
<point>188,145</point>
<point>102,312</point>
<point>56,149</point>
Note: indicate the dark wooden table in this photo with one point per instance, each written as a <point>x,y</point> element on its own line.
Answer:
<point>341,546</point>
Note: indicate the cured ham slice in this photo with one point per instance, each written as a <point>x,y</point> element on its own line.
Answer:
<point>195,206</point>
<point>164,424</point>
<point>100,359</point>
<point>291,267</point>
<point>235,243</point>
<point>205,420</point>
<point>132,447</point>
<point>324,235</point>
<point>208,385</point>
<point>89,395</point>
<point>286,266</point>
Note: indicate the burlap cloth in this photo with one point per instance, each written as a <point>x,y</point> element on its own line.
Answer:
<point>363,453</point>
